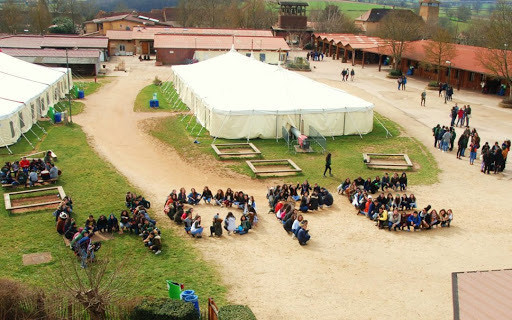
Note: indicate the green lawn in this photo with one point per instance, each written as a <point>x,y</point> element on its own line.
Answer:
<point>76,107</point>
<point>97,188</point>
<point>90,87</point>
<point>346,152</point>
<point>168,100</point>
<point>351,9</point>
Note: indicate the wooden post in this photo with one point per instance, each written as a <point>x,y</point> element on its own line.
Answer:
<point>380,61</point>
<point>330,49</point>
<point>362,63</point>
<point>345,54</point>
<point>353,57</point>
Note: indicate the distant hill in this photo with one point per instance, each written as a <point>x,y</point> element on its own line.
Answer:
<point>144,5</point>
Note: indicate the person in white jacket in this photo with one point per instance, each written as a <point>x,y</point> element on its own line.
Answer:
<point>230,223</point>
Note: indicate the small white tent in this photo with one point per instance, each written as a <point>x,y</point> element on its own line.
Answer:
<point>26,92</point>
<point>234,97</point>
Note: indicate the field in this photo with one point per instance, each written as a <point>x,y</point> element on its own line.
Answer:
<point>96,188</point>
<point>164,92</point>
<point>351,9</point>
<point>346,152</point>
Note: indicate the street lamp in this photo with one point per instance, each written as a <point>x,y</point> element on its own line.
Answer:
<point>69,86</point>
<point>449,63</point>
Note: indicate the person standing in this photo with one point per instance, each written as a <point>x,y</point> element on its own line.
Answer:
<point>343,74</point>
<point>423,98</point>
<point>399,81</point>
<point>352,74</point>
<point>404,82</point>
<point>328,164</point>
<point>435,132</point>
<point>468,114</point>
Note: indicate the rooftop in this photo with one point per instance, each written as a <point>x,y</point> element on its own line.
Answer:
<point>353,40</point>
<point>208,42</point>
<point>292,3</point>
<point>377,14</point>
<point>80,53</point>
<point>52,41</point>
<point>148,33</point>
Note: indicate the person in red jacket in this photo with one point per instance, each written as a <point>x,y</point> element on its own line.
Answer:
<point>25,164</point>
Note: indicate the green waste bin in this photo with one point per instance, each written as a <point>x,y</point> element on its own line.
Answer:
<point>174,289</point>
<point>51,113</point>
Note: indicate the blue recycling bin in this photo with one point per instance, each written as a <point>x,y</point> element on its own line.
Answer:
<point>194,300</point>
<point>58,117</point>
<point>154,103</point>
<point>81,94</point>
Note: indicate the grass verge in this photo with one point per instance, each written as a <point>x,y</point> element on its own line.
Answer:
<point>166,97</point>
<point>96,188</point>
<point>90,87</point>
<point>347,160</point>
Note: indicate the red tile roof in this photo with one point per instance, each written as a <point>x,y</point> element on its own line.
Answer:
<point>465,58</point>
<point>215,31</point>
<point>170,41</point>
<point>353,40</point>
<point>53,41</point>
<point>80,53</point>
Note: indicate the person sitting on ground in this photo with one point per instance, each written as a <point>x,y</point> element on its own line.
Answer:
<point>193,197</point>
<point>112,223</point>
<point>182,196</point>
<point>412,201</point>
<point>367,184</point>
<point>296,225</point>
<point>90,224</point>
<point>404,202</point>
<point>219,198</point>
<point>304,203</point>
<point>83,246</point>
<point>61,223</point>
<point>196,229</point>
<point>244,226</point>
<point>385,182</point>
<point>426,217</point>
<point>188,221</point>
<point>229,198</point>
<point>446,217</point>
<point>146,228</point>
<point>395,220</point>
<point>395,181</point>
<point>207,195</point>
<point>32,177</point>
<point>414,221</point>
<point>359,183</point>
<point>130,198</point>
<point>216,227</point>
<point>230,223</point>
<point>102,224</point>
<point>313,201</point>
<point>367,205</point>
<point>342,187</point>
<point>382,218</point>
<point>288,224</point>
<point>327,198</point>
<point>48,157</point>
<point>125,221</point>
<point>303,234</point>
<point>156,243</point>
<point>403,181</point>
<point>70,228</point>
<point>54,172</point>
<point>434,219</point>
<point>375,185</point>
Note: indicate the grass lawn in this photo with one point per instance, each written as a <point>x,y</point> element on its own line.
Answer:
<point>351,9</point>
<point>166,97</point>
<point>96,188</point>
<point>347,159</point>
<point>76,107</point>
<point>90,87</point>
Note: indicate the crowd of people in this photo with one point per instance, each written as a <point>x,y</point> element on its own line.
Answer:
<point>315,56</point>
<point>134,219</point>
<point>311,198</point>
<point>293,222</point>
<point>390,212</point>
<point>176,205</point>
<point>493,158</point>
<point>394,183</point>
<point>402,82</point>
<point>448,91</point>
<point>29,172</point>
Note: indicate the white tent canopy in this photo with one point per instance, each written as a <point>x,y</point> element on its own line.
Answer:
<point>26,92</point>
<point>235,96</point>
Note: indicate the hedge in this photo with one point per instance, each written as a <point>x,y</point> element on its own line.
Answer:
<point>433,84</point>
<point>395,73</point>
<point>164,309</point>
<point>236,312</point>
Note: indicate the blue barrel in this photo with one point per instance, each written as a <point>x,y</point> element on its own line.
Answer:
<point>186,293</point>
<point>81,94</point>
<point>194,300</point>
<point>58,117</point>
<point>157,104</point>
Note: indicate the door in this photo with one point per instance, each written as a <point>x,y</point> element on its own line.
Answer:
<point>145,47</point>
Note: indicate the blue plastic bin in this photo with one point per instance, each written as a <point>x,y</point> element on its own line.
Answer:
<point>58,117</point>
<point>154,103</point>
<point>81,94</point>
<point>186,293</point>
<point>194,300</point>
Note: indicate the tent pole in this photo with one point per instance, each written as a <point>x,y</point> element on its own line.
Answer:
<point>277,133</point>
<point>5,145</point>
<point>42,129</point>
<point>191,131</point>
<point>344,121</point>
<point>199,132</point>
<point>360,135</point>
<point>250,127</point>
<point>35,134</point>
<point>30,143</point>
<point>387,131</point>
<point>189,120</point>
<point>21,119</point>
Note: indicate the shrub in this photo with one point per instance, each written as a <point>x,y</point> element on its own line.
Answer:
<point>395,73</point>
<point>164,309</point>
<point>236,312</point>
<point>18,301</point>
<point>433,84</point>
<point>308,46</point>
<point>157,82</point>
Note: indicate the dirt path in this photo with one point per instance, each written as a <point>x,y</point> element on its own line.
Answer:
<point>350,270</point>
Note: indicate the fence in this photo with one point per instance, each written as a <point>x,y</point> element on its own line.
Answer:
<point>213,310</point>
<point>318,138</point>
<point>287,138</point>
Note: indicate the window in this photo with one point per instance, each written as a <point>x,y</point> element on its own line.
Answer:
<point>42,106</point>
<point>122,47</point>
<point>22,122</point>
<point>248,54</point>
<point>47,98</point>
<point>12,128</point>
<point>262,57</point>
<point>127,28</point>
<point>457,72</point>
<point>32,109</point>
<point>282,57</point>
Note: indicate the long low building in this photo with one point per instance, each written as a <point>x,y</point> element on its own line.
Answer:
<point>172,49</point>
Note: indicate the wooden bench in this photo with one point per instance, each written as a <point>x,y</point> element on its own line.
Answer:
<point>38,183</point>
<point>294,167</point>
<point>7,198</point>
<point>30,156</point>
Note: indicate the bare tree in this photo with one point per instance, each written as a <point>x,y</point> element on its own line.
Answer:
<point>398,29</point>
<point>498,58</point>
<point>10,16</point>
<point>41,17</point>
<point>332,20</point>
<point>257,15</point>
<point>439,50</point>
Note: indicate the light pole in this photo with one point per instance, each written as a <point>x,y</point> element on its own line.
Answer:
<point>69,86</point>
<point>449,63</point>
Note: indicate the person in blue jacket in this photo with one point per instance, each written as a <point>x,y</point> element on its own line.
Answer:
<point>414,221</point>
<point>193,197</point>
<point>303,234</point>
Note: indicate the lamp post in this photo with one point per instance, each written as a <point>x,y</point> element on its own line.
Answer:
<point>449,63</point>
<point>69,86</point>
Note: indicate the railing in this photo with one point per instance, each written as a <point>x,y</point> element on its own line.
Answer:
<point>318,138</point>
<point>287,138</point>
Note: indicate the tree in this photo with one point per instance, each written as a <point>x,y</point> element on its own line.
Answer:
<point>332,20</point>
<point>498,58</point>
<point>63,25</point>
<point>398,29</point>
<point>475,33</point>
<point>10,17</point>
<point>463,13</point>
<point>41,17</point>
<point>439,50</point>
<point>255,14</point>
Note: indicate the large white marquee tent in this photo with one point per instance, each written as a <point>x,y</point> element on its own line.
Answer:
<point>27,91</point>
<point>237,97</point>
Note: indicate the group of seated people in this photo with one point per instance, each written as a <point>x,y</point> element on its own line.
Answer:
<point>28,173</point>
<point>311,197</point>
<point>175,209</point>
<point>391,212</point>
<point>293,222</point>
<point>372,186</point>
